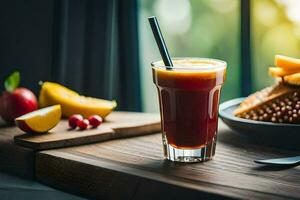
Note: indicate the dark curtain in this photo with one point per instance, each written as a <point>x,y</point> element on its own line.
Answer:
<point>88,45</point>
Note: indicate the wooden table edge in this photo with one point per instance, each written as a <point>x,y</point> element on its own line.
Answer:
<point>110,168</point>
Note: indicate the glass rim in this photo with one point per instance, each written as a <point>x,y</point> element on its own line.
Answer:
<point>217,64</point>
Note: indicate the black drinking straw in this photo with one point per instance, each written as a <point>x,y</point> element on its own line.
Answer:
<point>160,42</point>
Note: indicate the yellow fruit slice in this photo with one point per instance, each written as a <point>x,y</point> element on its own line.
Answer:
<point>280,72</point>
<point>41,120</point>
<point>293,79</point>
<point>73,103</point>
<point>287,63</point>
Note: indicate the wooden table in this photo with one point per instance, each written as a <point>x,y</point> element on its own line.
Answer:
<point>133,168</point>
<point>15,159</point>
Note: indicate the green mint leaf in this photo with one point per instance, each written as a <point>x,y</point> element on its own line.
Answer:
<point>12,82</point>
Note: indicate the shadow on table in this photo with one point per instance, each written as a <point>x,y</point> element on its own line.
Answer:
<point>274,167</point>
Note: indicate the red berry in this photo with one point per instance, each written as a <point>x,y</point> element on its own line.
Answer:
<point>95,120</point>
<point>83,124</point>
<point>73,119</point>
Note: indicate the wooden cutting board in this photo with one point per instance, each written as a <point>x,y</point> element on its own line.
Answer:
<point>117,125</point>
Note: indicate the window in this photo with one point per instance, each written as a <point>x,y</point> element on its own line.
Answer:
<point>275,30</point>
<point>191,28</point>
<point>212,28</point>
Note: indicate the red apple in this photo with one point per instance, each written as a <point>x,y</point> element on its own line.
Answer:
<point>16,103</point>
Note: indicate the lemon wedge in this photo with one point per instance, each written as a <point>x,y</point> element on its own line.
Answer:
<point>41,120</point>
<point>73,103</point>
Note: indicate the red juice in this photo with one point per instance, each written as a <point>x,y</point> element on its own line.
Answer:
<point>189,99</point>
